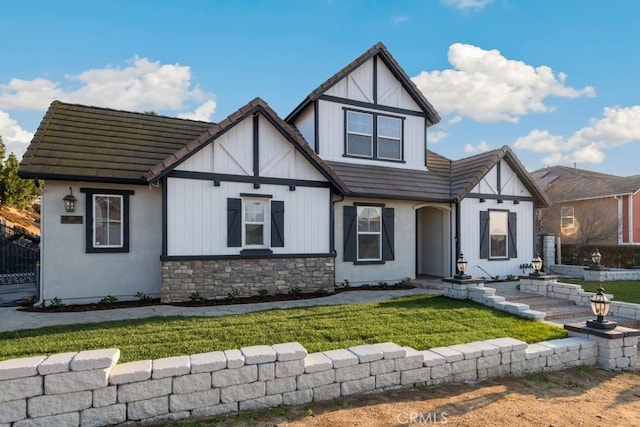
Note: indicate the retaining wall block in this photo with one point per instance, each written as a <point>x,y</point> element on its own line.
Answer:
<point>326,392</point>
<point>441,371</point>
<point>316,362</point>
<point>20,368</point>
<point>382,366</point>
<point>290,368</point>
<point>266,371</point>
<point>367,353</point>
<point>289,351</point>
<point>229,377</point>
<point>149,408</point>
<point>413,359</point>
<point>68,382</point>
<point>235,359</point>
<point>258,354</point>
<point>390,379</point>
<point>20,388</point>
<point>341,358</point>
<point>210,411</point>
<point>358,386</point>
<point>463,366</point>
<point>350,373</point>
<point>196,399</point>
<point>415,376</point>
<point>14,410</point>
<point>131,372</point>
<point>171,367</point>
<point>42,406</point>
<point>298,397</point>
<point>316,379</point>
<point>191,383</point>
<point>144,390</point>
<point>281,385</point>
<point>449,353</point>
<point>105,396</point>
<point>207,362</point>
<point>537,350</point>
<point>108,415</point>
<point>433,359</point>
<point>57,363</point>
<point>68,419</point>
<point>90,360</point>
<point>241,392</point>
<point>261,402</point>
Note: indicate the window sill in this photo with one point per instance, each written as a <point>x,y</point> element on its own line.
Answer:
<point>369,262</point>
<point>377,159</point>
<point>256,252</point>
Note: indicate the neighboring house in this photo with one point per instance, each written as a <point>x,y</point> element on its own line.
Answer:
<point>342,189</point>
<point>589,208</point>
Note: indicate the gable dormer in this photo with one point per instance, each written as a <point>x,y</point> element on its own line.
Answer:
<point>370,112</point>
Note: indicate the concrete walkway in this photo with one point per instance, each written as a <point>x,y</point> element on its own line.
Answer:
<point>11,319</point>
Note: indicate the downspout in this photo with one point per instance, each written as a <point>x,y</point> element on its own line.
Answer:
<point>39,287</point>
<point>332,220</point>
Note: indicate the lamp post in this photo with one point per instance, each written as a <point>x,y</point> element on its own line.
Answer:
<point>461,267</point>
<point>536,263</point>
<point>596,257</point>
<point>600,307</point>
<point>69,201</point>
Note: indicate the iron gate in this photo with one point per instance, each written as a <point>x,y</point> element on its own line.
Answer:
<point>19,256</point>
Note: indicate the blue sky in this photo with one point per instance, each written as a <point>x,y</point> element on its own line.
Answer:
<point>558,81</point>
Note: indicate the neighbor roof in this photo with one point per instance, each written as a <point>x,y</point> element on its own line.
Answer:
<point>563,184</point>
<point>79,142</point>
<point>381,51</point>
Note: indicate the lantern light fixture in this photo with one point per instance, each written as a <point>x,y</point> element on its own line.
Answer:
<point>536,263</point>
<point>596,257</point>
<point>69,202</point>
<point>600,307</point>
<point>461,267</point>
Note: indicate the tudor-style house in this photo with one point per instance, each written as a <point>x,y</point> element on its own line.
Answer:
<point>342,189</point>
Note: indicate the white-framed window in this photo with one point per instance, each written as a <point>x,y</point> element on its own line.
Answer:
<point>373,135</point>
<point>498,234</point>
<point>369,244</point>
<point>108,221</point>
<point>255,225</point>
<point>359,134</point>
<point>567,218</point>
<point>389,138</point>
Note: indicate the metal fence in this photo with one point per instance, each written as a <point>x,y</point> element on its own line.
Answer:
<point>19,256</point>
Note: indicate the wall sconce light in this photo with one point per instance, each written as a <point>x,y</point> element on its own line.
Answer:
<point>600,307</point>
<point>69,202</point>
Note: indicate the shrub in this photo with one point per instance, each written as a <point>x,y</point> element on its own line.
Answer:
<point>142,297</point>
<point>56,303</point>
<point>196,297</point>
<point>108,299</point>
<point>263,293</point>
<point>295,290</point>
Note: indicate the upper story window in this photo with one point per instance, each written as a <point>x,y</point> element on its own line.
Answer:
<point>566,218</point>
<point>374,136</point>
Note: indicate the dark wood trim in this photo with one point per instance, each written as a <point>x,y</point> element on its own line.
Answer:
<point>165,221</point>
<point>255,256</point>
<point>369,262</point>
<point>371,205</point>
<point>457,238</point>
<point>262,196</point>
<point>256,145</point>
<point>316,126</point>
<point>108,191</point>
<point>126,219</point>
<point>375,80</point>
<point>379,107</point>
<point>82,178</point>
<point>353,156</point>
<point>207,176</point>
<point>256,252</point>
<point>498,197</point>
<point>498,178</point>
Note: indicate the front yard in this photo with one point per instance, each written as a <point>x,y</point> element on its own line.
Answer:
<point>622,290</point>
<point>420,322</point>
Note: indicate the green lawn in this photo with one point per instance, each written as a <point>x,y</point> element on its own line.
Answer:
<point>622,290</point>
<point>419,321</point>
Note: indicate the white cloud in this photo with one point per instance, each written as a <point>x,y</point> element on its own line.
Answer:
<point>142,85</point>
<point>487,87</point>
<point>436,136</point>
<point>204,112</point>
<point>618,126</point>
<point>13,136</point>
<point>480,148</point>
<point>468,4</point>
<point>399,19</point>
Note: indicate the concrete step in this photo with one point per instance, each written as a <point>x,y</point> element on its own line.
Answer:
<point>567,312</point>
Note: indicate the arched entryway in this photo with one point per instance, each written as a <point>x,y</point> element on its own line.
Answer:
<point>433,240</point>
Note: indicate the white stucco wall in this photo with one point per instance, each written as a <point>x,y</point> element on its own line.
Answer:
<point>74,276</point>
<point>404,264</point>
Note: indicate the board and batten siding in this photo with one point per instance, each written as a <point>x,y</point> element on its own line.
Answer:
<point>197,217</point>
<point>70,273</point>
<point>510,184</point>
<point>393,271</point>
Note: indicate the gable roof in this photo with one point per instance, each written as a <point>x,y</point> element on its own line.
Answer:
<point>379,50</point>
<point>79,142</point>
<point>257,105</point>
<point>563,184</point>
<point>466,173</point>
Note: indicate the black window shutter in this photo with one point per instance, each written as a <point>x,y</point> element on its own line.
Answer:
<point>388,252</point>
<point>484,234</point>
<point>513,235</point>
<point>277,224</point>
<point>234,223</point>
<point>349,232</point>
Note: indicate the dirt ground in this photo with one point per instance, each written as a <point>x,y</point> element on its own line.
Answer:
<point>583,396</point>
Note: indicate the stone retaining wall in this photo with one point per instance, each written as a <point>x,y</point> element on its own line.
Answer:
<point>553,289</point>
<point>221,278</point>
<point>89,388</point>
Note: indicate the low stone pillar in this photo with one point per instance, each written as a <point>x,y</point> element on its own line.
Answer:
<point>617,348</point>
<point>537,284</point>
<point>459,288</point>
<point>549,249</point>
<point>597,274</point>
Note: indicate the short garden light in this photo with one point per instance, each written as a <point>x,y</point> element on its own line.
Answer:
<point>600,307</point>
<point>536,263</point>
<point>596,257</point>
<point>461,266</point>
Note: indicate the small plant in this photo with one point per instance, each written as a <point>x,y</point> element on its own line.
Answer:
<point>196,297</point>
<point>518,286</point>
<point>295,290</point>
<point>108,300</point>
<point>309,412</point>
<point>511,277</point>
<point>56,303</point>
<point>346,284</point>
<point>142,297</point>
<point>383,284</point>
<point>231,295</point>
<point>263,293</point>
<point>322,292</point>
